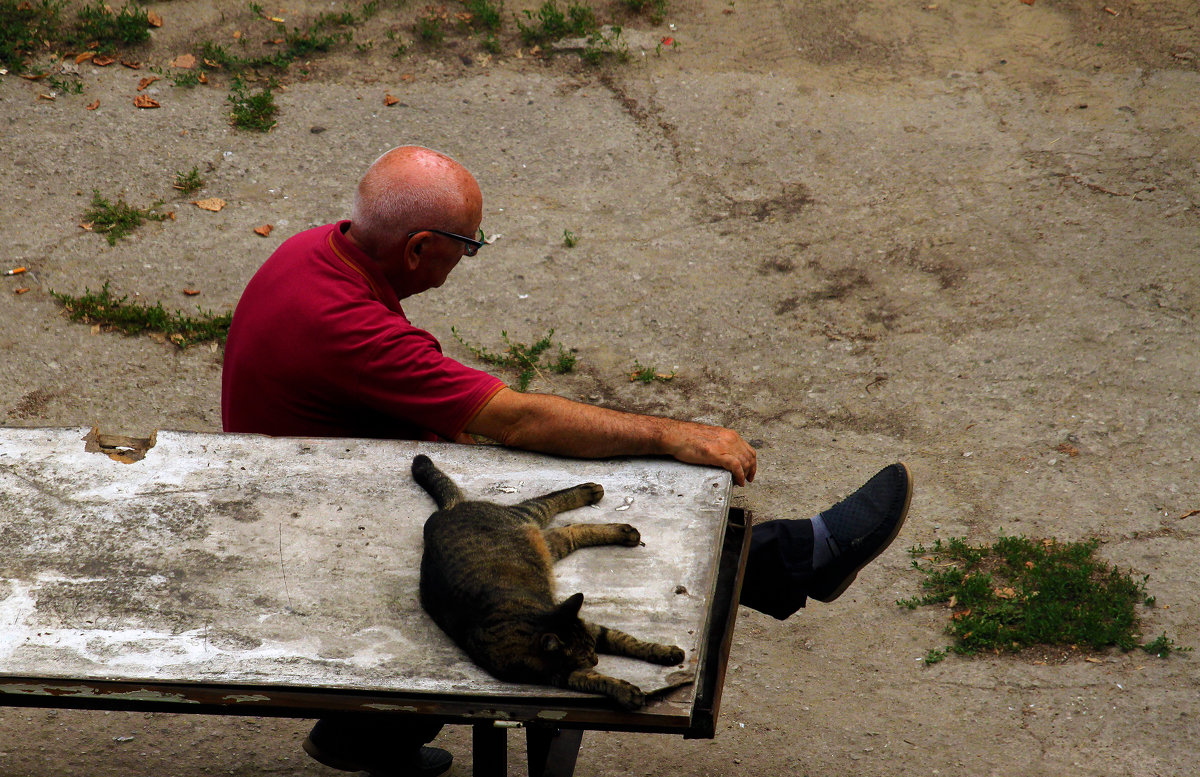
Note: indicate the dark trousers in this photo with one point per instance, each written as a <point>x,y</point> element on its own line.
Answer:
<point>779,567</point>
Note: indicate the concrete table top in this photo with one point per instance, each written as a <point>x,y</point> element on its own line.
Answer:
<point>247,560</point>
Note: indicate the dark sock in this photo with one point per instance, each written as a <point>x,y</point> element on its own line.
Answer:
<point>824,547</point>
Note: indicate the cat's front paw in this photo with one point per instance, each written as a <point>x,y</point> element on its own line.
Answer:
<point>670,656</point>
<point>630,537</point>
<point>592,493</point>
<point>627,695</point>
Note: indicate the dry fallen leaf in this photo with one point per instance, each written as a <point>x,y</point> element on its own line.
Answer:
<point>191,292</point>
<point>145,101</point>
<point>51,97</point>
<point>1067,448</point>
<point>80,58</point>
<point>185,61</point>
<point>264,230</point>
<point>389,100</point>
<point>153,19</point>
<point>1189,514</point>
<point>93,105</point>
<point>407,77</point>
<point>33,76</point>
<point>212,203</point>
<point>203,78</point>
<point>146,82</point>
<point>21,290</point>
<point>131,64</point>
<point>237,34</point>
<point>103,60</point>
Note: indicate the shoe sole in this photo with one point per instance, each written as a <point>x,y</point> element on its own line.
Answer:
<point>842,586</point>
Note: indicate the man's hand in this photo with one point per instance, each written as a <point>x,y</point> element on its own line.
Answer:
<point>712,445</point>
<point>550,424</point>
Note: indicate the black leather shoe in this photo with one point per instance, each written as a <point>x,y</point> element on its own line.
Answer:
<point>426,762</point>
<point>861,526</point>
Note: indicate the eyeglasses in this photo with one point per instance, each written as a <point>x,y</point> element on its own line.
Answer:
<point>473,245</point>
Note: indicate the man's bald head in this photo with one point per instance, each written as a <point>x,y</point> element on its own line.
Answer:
<point>411,188</point>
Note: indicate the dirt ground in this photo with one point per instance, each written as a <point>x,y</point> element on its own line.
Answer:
<point>960,234</point>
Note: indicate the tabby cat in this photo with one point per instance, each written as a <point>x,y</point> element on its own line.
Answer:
<point>487,580</point>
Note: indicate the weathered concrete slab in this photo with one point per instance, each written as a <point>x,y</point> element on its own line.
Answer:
<point>239,559</point>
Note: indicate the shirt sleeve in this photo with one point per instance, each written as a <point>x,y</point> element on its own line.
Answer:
<point>406,376</point>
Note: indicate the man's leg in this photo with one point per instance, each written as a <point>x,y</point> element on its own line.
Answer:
<point>381,745</point>
<point>791,560</point>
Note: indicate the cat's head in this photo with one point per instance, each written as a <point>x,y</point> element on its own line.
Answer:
<point>562,643</point>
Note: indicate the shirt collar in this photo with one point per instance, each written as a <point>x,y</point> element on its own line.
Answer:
<point>358,261</point>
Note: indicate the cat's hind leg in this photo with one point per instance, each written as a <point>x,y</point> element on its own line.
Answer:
<point>542,508</point>
<point>618,643</point>
<point>564,540</point>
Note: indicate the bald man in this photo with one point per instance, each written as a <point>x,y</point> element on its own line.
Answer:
<point>320,346</point>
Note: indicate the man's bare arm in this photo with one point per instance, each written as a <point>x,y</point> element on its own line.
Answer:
<point>550,424</point>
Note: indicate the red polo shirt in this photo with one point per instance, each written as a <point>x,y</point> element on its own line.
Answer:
<point>320,347</point>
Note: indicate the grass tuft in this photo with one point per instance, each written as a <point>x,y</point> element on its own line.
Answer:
<point>24,26</point>
<point>1019,592</point>
<point>255,112</point>
<point>99,23</point>
<point>642,374</point>
<point>550,22</point>
<point>485,14</point>
<point>118,220</point>
<point>103,309</point>
<point>525,359</point>
<point>189,182</point>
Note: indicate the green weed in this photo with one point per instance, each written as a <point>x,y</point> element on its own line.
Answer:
<point>100,24</point>
<point>643,374</point>
<point>321,35</point>
<point>551,22</point>
<point>570,240</point>
<point>255,112</point>
<point>65,85</point>
<point>189,182</point>
<point>429,26</point>
<point>118,220</point>
<point>485,14</point>
<point>1019,592</point>
<point>935,656</point>
<point>601,45</point>
<point>525,359</point>
<point>24,26</point>
<point>110,312</point>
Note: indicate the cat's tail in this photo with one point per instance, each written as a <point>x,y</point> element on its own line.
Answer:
<point>436,482</point>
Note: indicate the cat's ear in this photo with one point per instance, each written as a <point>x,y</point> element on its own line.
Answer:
<point>570,608</point>
<point>551,643</point>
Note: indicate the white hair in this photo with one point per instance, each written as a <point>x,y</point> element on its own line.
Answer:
<point>387,206</point>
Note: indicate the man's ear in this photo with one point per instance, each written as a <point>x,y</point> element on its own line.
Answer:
<point>412,252</point>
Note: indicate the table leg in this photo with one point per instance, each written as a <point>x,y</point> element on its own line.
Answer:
<point>489,751</point>
<point>553,752</point>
